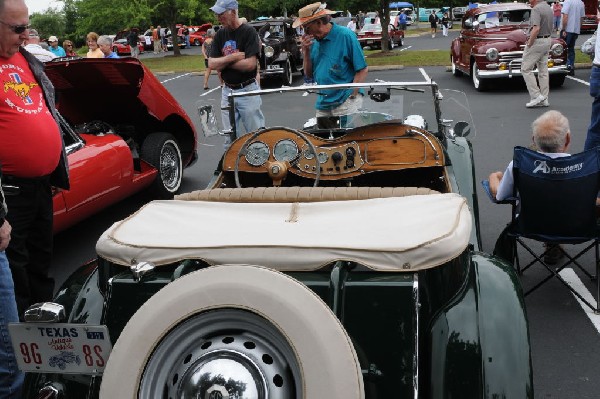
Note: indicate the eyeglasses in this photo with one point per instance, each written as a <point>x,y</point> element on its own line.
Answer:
<point>218,15</point>
<point>18,29</point>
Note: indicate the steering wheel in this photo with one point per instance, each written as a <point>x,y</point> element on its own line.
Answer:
<point>277,170</point>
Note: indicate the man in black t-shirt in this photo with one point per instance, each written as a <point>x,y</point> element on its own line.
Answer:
<point>234,53</point>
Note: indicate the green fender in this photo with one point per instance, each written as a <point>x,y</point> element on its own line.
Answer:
<point>480,340</point>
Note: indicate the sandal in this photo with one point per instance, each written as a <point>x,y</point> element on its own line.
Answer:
<point>206,87</point>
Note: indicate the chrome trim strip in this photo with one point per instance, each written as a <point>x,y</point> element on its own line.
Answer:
<point>416,354</point>
<point>557,70</point>
<point>411,131</point>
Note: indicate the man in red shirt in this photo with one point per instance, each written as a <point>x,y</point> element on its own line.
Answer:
<point>32,156</point>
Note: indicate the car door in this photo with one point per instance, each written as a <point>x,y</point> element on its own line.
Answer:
<point>467,40</point>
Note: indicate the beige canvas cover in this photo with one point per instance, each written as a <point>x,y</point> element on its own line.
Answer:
<point>384,234</point>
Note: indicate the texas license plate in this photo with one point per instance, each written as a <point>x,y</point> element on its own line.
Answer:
<point>60,348</point>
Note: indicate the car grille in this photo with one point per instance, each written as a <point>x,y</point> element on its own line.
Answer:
<point>512,58</point>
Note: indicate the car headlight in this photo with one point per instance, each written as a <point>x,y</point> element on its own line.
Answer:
<point>269,51</point>
<point>491,54</point>
<point>557,49</point>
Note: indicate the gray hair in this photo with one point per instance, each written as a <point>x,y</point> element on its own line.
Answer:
<point>104,40</point>
<point>210,32</point>
<point>550,131</point>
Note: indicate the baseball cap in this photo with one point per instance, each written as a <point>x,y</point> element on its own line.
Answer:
<point>223,5</point>
<point>52,39</point>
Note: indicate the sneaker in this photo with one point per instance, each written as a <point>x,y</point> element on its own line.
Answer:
<point>571,70</point>
<point>535,102</point>
<point>554,253</point>
<point>544,103</point>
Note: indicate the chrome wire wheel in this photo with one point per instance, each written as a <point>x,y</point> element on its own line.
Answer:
<point>226,351</point>
<point>170,166</point>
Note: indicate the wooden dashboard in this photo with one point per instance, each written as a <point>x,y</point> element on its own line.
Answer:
<point>380,147</point>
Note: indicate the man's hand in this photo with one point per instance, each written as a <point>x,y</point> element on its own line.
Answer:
<point>495,179</point>
<point>235,57</point>
<point>5,230</point>
<point>307,41</point>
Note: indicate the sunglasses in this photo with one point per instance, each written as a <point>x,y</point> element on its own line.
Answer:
<point>18,29</point>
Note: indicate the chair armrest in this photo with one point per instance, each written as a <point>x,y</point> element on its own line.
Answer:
<point>486,188</point>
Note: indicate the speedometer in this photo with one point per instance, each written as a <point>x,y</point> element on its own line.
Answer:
<point>257,153</point>
<point>285,150</point>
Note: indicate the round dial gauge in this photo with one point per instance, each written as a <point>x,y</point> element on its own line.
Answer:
<point>322,157</point>
<point>285,150</point>
<point>257,154</point>
<point>307,152</point>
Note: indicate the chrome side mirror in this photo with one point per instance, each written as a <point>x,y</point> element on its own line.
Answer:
<point>208,120</point>
<point>462,129</point>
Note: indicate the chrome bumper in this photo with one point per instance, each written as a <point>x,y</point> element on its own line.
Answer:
<point>512,72</point>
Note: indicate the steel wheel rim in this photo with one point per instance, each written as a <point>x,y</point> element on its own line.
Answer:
<point>241,338</point>
<point>475,77</point>
<point>170,170</point>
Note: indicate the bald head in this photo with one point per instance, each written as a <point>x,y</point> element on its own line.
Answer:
<point>14,15</point>
<point>551,132</point>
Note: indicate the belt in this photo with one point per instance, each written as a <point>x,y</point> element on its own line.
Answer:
<point>543,37</point>
<point>238,86</point>
<point>596,65</point>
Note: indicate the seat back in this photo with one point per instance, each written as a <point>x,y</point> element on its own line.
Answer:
<point>557,195</point>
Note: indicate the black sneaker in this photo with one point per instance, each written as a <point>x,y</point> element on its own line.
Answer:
<point>554,253</point>
<point>571,70</point>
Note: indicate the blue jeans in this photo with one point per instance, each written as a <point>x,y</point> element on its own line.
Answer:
<point>593,134</point>
<point>11,378</point>
<point>571,39</point>
<point>248,116</point>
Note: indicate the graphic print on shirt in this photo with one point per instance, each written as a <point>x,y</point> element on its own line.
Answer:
<point>20,88</point>
<point>20,91</point>
<point>230,47</point>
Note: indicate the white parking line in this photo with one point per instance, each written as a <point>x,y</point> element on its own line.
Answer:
<point>579,80</point>
<point>209,91</point>
<point>176,77</point>
<point>427,78</point>
<point>573,280</point>
<point>405,48</point>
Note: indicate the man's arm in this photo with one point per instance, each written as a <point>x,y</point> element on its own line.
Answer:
<point>307,41</point>
<point>246,64</point>
<point>359,77</point>
<point>495,179</point>
<point>223,62</point>
<point>533,35</point>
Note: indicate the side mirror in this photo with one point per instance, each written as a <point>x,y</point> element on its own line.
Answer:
<point>462,129</point>
<point>468,24</point>
<point>208,120</point>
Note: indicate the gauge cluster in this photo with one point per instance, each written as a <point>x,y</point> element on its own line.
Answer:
<point>332,160</point>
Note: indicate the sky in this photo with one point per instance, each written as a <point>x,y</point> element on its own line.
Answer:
<point>42,5</point>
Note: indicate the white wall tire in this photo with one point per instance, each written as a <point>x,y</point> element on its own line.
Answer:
<point>327,362</point>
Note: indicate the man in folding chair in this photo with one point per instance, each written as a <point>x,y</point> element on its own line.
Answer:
<point>554,199</point>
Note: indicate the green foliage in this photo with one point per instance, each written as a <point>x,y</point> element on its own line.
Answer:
<point>51,22</point>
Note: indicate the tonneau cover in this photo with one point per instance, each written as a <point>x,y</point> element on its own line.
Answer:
<point>384,234</point>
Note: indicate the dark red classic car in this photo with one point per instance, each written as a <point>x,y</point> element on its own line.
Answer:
<point>130,135</point>
<point>370,35</point>
<point>491,43</point>
<point>120,45</point>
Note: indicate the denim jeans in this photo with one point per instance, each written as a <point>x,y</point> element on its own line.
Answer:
<point>593,134</point>
<point>11,378</point>
<point>571,39</point>
<point>248,116</point>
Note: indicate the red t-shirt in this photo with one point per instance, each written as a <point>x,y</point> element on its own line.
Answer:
<point>30,142</point>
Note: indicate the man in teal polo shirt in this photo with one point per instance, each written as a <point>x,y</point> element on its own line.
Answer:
<point>332,55</point>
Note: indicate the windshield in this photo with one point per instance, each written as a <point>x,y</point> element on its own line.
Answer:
<point>417,104</point>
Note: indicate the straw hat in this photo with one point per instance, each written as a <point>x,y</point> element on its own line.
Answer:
<point>310,13</point>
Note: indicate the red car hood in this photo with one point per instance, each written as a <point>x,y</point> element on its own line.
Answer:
<point>115,90</point>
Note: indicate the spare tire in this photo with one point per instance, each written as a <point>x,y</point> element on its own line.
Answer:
<point>281,339</point>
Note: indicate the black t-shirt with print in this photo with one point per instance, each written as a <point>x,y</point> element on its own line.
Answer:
<point>244,38</point>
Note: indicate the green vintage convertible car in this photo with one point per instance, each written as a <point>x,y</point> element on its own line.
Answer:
<point>335,258</point>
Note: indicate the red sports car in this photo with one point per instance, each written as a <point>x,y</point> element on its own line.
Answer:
<point>120,45</point>
<point>144,142</point>
<point>370,35</point>
<point>198,34</point>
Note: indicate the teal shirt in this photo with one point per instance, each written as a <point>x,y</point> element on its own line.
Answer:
<point>335,59</point>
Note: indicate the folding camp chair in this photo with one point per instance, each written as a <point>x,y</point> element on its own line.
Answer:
<point>556,205</point>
